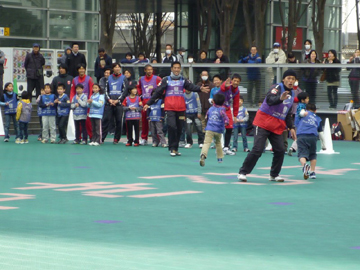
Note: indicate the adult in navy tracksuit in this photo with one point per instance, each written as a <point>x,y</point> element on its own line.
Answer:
<point>174,102</point>
<point>270,121</point>
<point>253,75</point>
<point>117,90</point>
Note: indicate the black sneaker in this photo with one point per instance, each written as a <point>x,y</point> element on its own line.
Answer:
<point>305,170</point>
<point>202,160</point>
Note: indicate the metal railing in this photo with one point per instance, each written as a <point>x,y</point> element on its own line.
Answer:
<point>269,74</point>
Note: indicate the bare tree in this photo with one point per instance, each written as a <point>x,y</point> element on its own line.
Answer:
<point>318,18</point>
<point>226,11</point>
<point>145,29</point>
<point>255,25</point>
<point>296,11</point>
<point>248,23</point>
<point>204,22</point>
<point>260,8</point>
<point>108,9</point>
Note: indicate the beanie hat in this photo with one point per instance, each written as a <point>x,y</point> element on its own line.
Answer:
<point>289,72</point>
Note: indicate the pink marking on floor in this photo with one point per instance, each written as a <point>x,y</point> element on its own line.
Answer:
<point>193,178</point>
<point>53,186</point>
<point>16,197</point>
<point>165,194</point>
<point>7,208</point>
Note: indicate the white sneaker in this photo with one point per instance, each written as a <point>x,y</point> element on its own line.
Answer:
<point>181,144</point>
<point>22,141</point>
<point>91,143</point>
<point>228,152</point>
<point>188,145</point>
<point>276,179</point>
<point>17,141</point>
<point>143,142</point>
<point>201,145</point>
<point>241,177</point>
<point>96,144</point>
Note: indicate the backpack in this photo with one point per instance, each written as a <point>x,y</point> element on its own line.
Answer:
<point>337,131</point>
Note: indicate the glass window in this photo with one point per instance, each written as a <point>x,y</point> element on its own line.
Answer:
<point>72,25</point>
<point>21,43</point>
<point>331,40</point>
<point>25,4</point>
<point>92,48</point>
<point>55,44</point>
<point>285,10</point>
<point>79,5</point>
<point>24,22</point>
<point>332,17</point>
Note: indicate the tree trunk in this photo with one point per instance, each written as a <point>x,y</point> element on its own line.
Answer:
<point>226,11</point>
<point>260,8</point>
<point>158,37</point>
<point>248,23</point>
<point>318,25</point>
<point>108,9</point>
<point>204,22</point>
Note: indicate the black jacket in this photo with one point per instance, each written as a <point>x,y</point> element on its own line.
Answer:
<point>33,62</point>
<point>99,71</point>
<point>73,61</point>
<point>332,74</point>
<point>66,79</point>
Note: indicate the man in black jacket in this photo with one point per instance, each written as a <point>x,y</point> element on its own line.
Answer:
<point>34,62</point>
<point>62,78</point>
<point>102,62</point>
<point>74,60</point>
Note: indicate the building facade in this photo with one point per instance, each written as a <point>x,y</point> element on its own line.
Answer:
<point>53,24</point>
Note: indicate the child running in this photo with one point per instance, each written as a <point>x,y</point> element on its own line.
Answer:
<point>133,106</point>
<point>23,116</point>
<point>79,105</point>
<point>307,134</point>
<point>216,120</point>
<point>96,104</point>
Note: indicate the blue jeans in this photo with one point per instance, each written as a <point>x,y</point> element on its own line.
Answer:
<point>8,118</point>
<point>238,129</point>
<point>23,130</point>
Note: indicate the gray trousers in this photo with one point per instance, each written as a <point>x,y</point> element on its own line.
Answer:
<point>156,128</point>
<point>49,123</point>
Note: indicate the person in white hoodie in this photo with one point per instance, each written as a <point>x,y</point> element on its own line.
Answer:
<point>276,56</point>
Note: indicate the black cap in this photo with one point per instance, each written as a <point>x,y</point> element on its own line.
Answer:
<point>289,72</point>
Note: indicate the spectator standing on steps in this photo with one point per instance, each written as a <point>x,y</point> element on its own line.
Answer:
<point>74,60</point>
<point>33,64</point>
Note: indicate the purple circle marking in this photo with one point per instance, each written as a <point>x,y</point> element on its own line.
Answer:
<point>357,247</point>
<point>108,221</point>
<point>281,203</point>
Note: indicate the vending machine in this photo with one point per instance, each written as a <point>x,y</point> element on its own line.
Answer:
<point>14,70</point>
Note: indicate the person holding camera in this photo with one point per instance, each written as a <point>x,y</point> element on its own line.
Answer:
<point>34,62</point>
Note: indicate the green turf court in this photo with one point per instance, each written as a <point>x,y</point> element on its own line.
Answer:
<point>116,207</point>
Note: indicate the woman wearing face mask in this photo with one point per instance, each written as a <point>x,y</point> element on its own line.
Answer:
<point>310,76</point>
<point>332,78</point>
<point>306,52</point>
<point>354,78</point>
